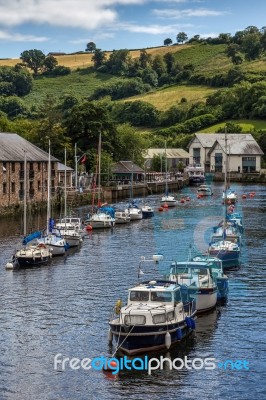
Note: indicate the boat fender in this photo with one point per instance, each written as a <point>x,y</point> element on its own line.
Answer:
<point>179,334</point>
<point>188,322</point>
<point>9,265</point>
<point>110,336</point>
<point>167,340</point>
<point>193,323</point>
<point>118,306</point>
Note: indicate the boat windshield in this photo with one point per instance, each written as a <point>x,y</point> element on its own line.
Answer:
<point>164,297</point>
<point>139,295</point>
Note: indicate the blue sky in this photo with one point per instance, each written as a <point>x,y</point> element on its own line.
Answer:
<point>68,25</point>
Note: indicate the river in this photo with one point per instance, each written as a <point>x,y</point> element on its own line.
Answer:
<point>64,308</point>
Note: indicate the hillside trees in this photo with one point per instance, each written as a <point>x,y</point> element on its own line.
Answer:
<point>15,81</point>
<point>167,42</point>
<point>98,58</point>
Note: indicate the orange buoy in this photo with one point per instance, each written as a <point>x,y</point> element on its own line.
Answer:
<point>182,201</point>
<point>88,228</point>
<point>160,209</point>
<point>165,205</point>
<point>244,196</point>
<point>199,196</point>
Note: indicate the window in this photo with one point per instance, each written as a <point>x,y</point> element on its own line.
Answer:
<point>161,296</point>
<point>21,167</point>
<point>135,320</point>
<point>170,316</point>
<point>13,187</point>
<point>13,167</point>
<point>177,296</point>
<point>39,166</point>
<point>31,166</point>
<point>4,188</point>
<point>4,166</point>
<point>39,186</point>
<point>159,318</point>
<point>139,295</point>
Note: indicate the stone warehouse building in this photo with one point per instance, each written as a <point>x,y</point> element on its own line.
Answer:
<point>13,152</point>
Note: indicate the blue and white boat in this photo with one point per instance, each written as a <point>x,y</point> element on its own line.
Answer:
<point>147,211</point>
<point>228,252</point>
<point>158,315</point>
<point>199,281</point>
<point>229,196</point>
<point>216,270</point>
<point>134,211</point>
<point>226,230</point>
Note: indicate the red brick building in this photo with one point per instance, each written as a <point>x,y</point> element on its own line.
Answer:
<point>13,152</point>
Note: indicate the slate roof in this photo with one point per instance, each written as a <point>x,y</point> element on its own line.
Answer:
<point>13,146</point>
<point>62,167</point>
<point>125,167</point>
<point>237,143</point>
<point>170,153</point>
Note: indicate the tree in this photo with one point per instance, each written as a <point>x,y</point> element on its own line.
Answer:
<point>12,106</point>
<point>169,59</point>
<point>33,59</point>
<point>181,37</point>
<point>131,143</point>
<point>98,58</point>
<point>50,63</point>
<point>144,59</point>
<point>167,42</point>
<point>230,127</point>
<point>119,61</point>
<point>159,65</point>
<point>91,47</point>
<point>251,46</point>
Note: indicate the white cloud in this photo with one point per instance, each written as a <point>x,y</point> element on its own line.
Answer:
<point>18,37</point>
<point>154,29</point>
<point>178,14</point>
<point>86,14</point>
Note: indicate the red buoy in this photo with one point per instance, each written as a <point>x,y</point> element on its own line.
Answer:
<point>182,201</point>
<point>88,228</point>
<point>160,209</point>
<point>244,196</point>
<point>165,205</point>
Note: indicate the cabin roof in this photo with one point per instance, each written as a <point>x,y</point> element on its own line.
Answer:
<point>13,148</point>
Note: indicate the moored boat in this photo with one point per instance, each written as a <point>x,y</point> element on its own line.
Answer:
<point>158,315</point>
<point>204,190</point>
<point>121,217</point>
<point>198,278</point>
<point>31,255</point>
<point>147,211</point>
<point>227,252</point>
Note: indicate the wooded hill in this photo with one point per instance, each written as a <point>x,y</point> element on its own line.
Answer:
<point>164,93</point>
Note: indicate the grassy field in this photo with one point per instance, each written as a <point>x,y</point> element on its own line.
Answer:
<point>246,124</point>
<point>165,98</point>
<point>84,60</point>
<point>79,83</point>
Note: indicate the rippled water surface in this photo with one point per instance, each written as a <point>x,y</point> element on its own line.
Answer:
<point>64,308</point>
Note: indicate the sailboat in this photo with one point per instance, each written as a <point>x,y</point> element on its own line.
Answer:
<point>167,199</point>
<point>68,231</point>
<point>227,251</point>
<point>104,217</point>
<point>133,209</point>
<point>30,254</point>
<point>53,239</point>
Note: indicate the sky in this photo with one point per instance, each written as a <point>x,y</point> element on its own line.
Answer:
<point>68,25</point>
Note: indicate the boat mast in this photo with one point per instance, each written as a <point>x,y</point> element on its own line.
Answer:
<point>25,195</point>
<point>225,182</point>
<point>65,208</point>
<point>166,182</point>
<point>48,190</point>
<point>99,168</point>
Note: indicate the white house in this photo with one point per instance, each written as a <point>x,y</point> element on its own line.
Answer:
<point>209,149</point>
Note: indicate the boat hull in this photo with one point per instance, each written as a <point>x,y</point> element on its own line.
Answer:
<point>25,261</point>
<point>147,214</point>
<point>223,288</point>
<point>72,241</point>
<point>137,340</point>
<point>205,298</point>
<point>230,259</point>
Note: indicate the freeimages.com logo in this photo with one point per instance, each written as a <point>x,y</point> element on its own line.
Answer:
<point>115,365</point>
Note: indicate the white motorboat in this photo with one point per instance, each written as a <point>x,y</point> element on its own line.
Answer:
<point>122,217</point>
<point>158,314</point>
<point>198,278</point>
<point>230,196</point>
<point>100,220</point>
<point>135,213</point>
<point>169,200</point>
<point>147,211</point>
<point>70,223</point>
<point>204,190</point>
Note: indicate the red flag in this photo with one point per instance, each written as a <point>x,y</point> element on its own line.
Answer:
<point>84,159</point>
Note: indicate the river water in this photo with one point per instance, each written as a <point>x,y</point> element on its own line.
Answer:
<point>64,308</point>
